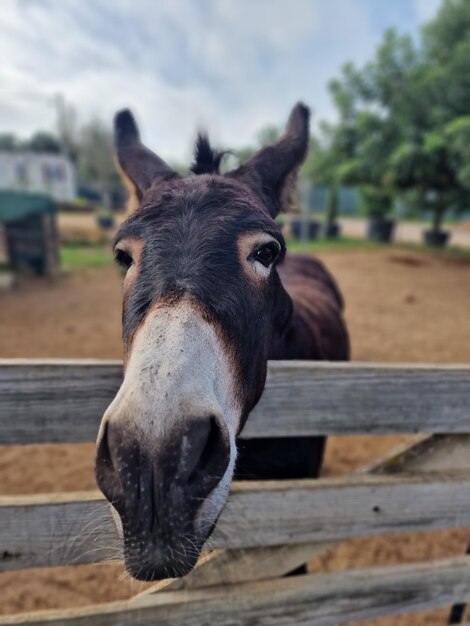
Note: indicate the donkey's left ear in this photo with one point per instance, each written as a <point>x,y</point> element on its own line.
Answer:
<point>140,166</point>
<point>272,172</point>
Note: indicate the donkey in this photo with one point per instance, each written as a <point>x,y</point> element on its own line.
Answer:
<point>208,297</point>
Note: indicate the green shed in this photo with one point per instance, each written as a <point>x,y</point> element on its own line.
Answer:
<point>30,225</point>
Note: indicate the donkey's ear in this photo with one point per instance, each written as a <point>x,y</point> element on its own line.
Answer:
<point>272,172</point>
<point>140,166</point>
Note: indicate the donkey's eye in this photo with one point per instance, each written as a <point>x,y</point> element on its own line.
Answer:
<point>267,254</point>
<point>123,259</point>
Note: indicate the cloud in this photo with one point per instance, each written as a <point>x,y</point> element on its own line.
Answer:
<point>230,66</point>
<point>426,9</point>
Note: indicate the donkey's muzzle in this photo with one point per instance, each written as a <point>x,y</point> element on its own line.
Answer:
<point>158,488</point>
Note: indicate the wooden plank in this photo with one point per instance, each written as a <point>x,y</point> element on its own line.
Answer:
<point>37,532</point>
<point>63,401</point>
<point>356,398</point>
<point>225,567</point>
<point>321,599</point>
<point>434,453</point>
<point>437,453</point>
<point>49,401</point>
<point>54,529</point>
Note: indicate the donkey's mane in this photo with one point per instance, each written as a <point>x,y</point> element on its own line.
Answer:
<point>206,159</point>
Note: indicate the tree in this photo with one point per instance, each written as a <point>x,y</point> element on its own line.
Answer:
<point>8,142</point>
<point>267,136</point>
<point>433,160</point>
<point>458,138</point>
<point>403,118</point>
<point>264,137</point>
<point>332,205</point>
<point>42,141</point>
<point>95,157</point>
<point>67,127</point>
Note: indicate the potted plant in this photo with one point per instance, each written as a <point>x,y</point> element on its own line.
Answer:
<point>378,203</point>
<point>436,236</point>
<point>105,219</point>
<point>302,227</point>
<point>332,228</point>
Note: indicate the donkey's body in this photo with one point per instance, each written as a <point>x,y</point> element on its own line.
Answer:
<point>209,297</point>
<point>314,330</point>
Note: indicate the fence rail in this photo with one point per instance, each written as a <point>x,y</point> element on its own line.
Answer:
<point>61,529</point>
<point>320,599</point>
<point>267,527</point>
<point>48,401</point>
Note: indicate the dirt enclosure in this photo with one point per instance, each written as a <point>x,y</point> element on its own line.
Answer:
<point>401,306</point>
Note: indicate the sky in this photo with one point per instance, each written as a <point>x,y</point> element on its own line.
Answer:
<point>229,66</point>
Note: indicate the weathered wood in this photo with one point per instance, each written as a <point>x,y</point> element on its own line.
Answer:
<point>54,401</point>
<point>58,528</point>
<point>62,401</point>
<point>434,453</point>
<point>50,244</point>
<point>437,453</point>
<point>224,567</point>
<point>308,398</point>
<point>320,599</point>
<point>37,532</point>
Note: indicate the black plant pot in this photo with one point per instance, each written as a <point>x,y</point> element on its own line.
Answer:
<point>436,238</point>
<point>380,229</point>
<point>106,222</point>
<point>332,230</point>
<point>298,229</point>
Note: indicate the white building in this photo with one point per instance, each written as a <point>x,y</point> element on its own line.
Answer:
<point>38,172</point>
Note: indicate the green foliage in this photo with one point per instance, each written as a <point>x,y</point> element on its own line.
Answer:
<point>457,134</point>
<point>43,142</point>
<point>8,142</point>
<point>243,154</point>
<point>95,153</point>
<point>268,135</point>
<point>404,123</point>
<point>376,201</point>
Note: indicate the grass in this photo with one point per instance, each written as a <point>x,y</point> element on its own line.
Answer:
<point>76,257</point>
<point>341,243</point>
<point>353,243</point>
<point>450,252</point>
<point>79,256</point>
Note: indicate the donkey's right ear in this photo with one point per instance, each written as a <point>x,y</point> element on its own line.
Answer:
<point>139,165</point>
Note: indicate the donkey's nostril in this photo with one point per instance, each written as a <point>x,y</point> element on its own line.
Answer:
<point>107,475</point>
<point>206,448</point>
<point>213,441</point>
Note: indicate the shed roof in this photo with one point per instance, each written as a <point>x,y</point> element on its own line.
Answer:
<point>15,205</point>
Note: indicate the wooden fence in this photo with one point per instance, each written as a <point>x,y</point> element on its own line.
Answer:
<point>267,528</point>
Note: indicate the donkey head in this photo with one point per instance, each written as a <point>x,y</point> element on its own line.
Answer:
<point>201,299</point>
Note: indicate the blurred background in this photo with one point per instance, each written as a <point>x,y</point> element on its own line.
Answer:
<point>384,195</point>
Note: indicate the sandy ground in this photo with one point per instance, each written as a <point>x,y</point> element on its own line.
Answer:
<point>400,307</point>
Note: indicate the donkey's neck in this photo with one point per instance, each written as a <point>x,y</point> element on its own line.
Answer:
<point>307,324</point>
<point>293,338</point>
<point>308,321</point>
<point>289,457</point>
